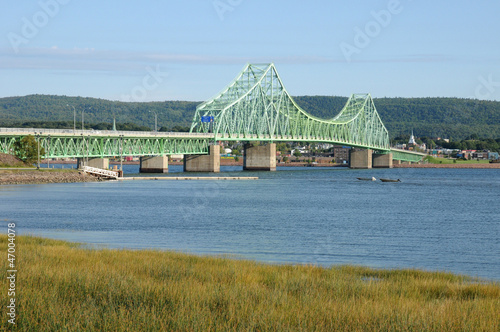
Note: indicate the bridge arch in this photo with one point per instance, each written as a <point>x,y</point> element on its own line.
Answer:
<point>256,106</point>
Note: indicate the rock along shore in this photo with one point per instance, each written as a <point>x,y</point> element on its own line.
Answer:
<point>41,177</point>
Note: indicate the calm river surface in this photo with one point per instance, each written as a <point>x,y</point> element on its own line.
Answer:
<point>435,219</point>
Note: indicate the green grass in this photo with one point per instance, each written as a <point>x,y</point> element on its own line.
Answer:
<point>436,160</point>
<point>17,165</point>
<point>64,287</point>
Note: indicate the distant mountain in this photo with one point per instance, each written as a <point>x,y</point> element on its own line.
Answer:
<point>434,117</point>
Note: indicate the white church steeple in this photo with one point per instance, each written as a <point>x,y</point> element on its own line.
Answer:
<point>412,139</point>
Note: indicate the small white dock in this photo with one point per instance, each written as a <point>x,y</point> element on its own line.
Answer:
<point>102,173</point>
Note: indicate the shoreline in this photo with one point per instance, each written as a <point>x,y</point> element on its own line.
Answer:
<point>16,176</point>
<point>477,166</point>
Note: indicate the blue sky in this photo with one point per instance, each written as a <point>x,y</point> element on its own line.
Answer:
<point>190,50</point>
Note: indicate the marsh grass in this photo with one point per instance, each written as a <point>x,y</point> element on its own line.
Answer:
<point>62,286</point>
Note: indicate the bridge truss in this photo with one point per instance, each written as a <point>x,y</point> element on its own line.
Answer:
<point>257,107</point>
<point>91,144</point>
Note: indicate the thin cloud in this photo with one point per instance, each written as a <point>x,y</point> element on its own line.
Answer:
<point>89,59</point>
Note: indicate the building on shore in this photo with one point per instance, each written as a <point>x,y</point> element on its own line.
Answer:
<point>341,154</point>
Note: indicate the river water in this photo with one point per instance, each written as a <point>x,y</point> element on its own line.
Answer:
<point>435,219</point>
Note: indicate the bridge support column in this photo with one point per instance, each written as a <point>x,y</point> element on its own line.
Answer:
<point>102,163</point>
<point>396,162</point>
<point>360,158</point>
<point>259,158</point>
<point>203,162</point>
<point>80,162</point>
<point>382,160</point>
<point>156,164</point>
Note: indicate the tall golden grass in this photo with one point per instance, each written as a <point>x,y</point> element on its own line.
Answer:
<point>64,287</point>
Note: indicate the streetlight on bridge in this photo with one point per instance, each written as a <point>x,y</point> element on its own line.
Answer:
<point>38,149</point>
<point>82,163</point>
<point>74,117</point>
<point>156,120</point>
<point>48,150</point>
<point>83,111</point>
<point>121,153</point>
<point>88,149</point>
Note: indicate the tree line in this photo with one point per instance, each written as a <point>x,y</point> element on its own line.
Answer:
<point>453,118</point>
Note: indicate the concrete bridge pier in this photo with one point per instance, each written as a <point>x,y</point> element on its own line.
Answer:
<point>360,159</point>
<point>102,163</point>
<point>259,158</point>
<point>203,162</point>
<point>153,164</point>
<point>80,162</point>
<point>382,160</point>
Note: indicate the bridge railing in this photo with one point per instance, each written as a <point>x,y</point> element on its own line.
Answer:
<point>406,155</point>
<point>79,132</point>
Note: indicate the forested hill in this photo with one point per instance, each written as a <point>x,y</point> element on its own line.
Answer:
<point>433,117</point>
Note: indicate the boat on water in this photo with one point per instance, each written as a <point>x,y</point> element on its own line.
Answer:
<point>390,180</point>
<point>367,179</point>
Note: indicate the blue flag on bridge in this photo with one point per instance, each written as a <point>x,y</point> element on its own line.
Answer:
<point>207,119</point>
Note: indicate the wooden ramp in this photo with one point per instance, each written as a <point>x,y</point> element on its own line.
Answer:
<point>101,173</point>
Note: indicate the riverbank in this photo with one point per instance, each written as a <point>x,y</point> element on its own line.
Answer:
<point>224,162</point>
<point>13,176</point>
<point>478,165</point>
<point>66,287</point>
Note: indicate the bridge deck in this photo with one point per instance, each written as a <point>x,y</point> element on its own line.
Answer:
<point>98,133</point>
<point>64,143</point>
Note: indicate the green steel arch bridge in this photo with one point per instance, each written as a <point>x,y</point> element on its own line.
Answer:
<point>255,106</point>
